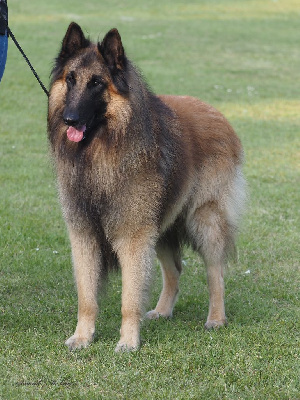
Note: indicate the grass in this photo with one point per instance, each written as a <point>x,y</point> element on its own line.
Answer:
<point>240,56</point>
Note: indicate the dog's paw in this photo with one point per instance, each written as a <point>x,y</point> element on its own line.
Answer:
<point>215,324</point>
<point>125,347</point>
<point>153,314</point>
<point>77,342</point>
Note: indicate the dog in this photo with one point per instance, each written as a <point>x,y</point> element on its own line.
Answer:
<point>139,176</point>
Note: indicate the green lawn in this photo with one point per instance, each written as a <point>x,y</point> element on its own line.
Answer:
<point>244,58</point>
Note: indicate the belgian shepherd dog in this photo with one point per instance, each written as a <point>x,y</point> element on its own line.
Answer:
<point>139,176</point>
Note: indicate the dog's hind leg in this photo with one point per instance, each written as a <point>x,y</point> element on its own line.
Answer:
<point>86,262</point>
<point>170,260</point>
<point>211,236</point>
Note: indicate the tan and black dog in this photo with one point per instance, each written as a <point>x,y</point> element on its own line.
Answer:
<point>139,175</point>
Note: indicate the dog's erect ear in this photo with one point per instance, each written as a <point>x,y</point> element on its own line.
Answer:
<point>73,41</point>
<point>112,51</point>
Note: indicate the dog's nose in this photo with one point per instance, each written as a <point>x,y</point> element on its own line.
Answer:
<point>71,118</point>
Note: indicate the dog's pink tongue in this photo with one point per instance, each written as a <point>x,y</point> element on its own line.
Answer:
<point>75,135</point>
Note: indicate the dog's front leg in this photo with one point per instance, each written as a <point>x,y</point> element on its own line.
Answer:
<point>136,259</point>
<point>87,265</point>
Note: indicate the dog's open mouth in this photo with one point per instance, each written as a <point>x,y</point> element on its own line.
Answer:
<point>76,134</point>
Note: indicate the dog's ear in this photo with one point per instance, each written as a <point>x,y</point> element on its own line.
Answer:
<point>112,51</point>
<point>73,41</point>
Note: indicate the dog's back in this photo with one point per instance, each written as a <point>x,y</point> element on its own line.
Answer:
<point>213,157</point>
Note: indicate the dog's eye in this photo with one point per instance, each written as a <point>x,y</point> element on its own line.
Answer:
<point>70,79</point>
<point>95,81</point>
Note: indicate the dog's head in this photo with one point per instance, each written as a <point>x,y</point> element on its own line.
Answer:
<point>88,74</point>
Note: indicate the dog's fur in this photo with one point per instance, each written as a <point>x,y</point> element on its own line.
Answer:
<point>152,173</point>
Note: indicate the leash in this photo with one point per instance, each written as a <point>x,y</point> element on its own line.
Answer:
<point>10,34</point>
<point>27,60</point>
